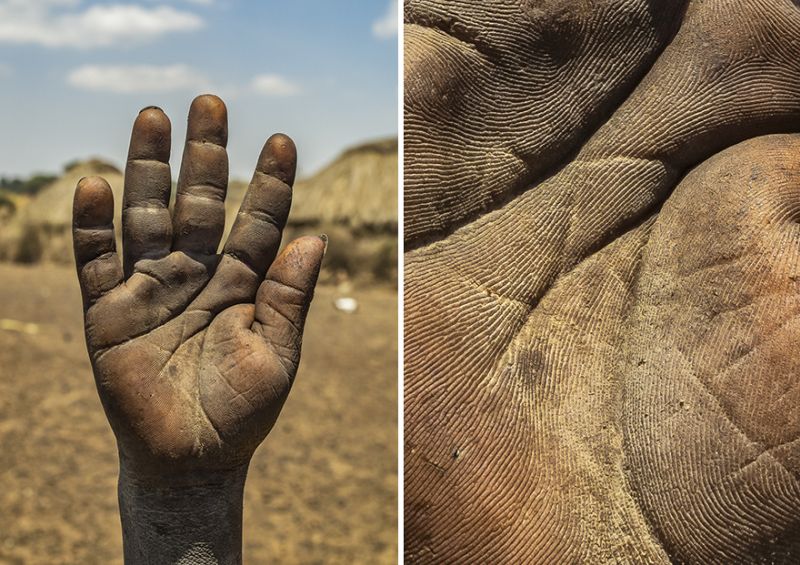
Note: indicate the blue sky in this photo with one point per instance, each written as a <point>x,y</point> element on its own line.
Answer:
<point>74,74</point>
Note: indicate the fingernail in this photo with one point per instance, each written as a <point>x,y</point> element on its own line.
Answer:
<point>324,239</point>
<point>150,108</point>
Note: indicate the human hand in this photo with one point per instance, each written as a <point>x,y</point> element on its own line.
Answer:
<point>598,354</point>
<point>194,352</point>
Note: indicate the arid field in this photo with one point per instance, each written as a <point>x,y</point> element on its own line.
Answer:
<point>322,487</point>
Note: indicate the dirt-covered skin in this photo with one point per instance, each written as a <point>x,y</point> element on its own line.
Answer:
<point>194,352</point>
<point>601,281</point>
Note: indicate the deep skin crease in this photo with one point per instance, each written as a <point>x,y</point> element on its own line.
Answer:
<point>194,351</point>
<point>601,217</point>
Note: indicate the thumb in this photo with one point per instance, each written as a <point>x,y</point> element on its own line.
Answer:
<point>285,295</point>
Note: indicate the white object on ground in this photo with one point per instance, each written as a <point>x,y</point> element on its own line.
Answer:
<point>346,304</point>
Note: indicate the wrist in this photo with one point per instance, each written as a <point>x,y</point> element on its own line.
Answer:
<point>194,518</point>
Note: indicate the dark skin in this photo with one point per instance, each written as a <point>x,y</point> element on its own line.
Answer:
<point>194,351</point>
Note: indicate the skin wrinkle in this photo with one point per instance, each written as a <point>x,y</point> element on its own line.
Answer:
<point>201,196</point>
<point>287,318</point>
<point>533,174</point>
<point>693,373</point>
<point>538,300</point>
<point>470,39</point>
<point>742,357</point>
<point>514,383</point>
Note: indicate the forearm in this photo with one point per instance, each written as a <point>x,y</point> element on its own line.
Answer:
<point>199,522</point>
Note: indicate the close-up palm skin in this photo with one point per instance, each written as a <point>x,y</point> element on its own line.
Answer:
<point>602,202</point>
<point>194,351</point>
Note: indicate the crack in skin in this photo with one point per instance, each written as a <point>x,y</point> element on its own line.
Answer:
<point>455,29</point>
<point>198,400</point>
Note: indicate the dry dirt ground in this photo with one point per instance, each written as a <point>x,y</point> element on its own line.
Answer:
<point>321,489</point>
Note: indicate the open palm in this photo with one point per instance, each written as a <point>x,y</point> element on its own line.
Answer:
<point>194,351</point>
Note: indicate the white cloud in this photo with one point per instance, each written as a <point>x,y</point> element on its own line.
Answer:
<point>126,79</point>
<point>129,79</point>
<point>46,23</point>
<point>274,85</point>
<point>386,27</point>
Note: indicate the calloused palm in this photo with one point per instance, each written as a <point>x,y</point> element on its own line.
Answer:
<point>193,351</point>
<point>600,284</point>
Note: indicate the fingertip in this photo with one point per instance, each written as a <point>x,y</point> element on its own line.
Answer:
<point>279,158</point>
<point>308,246</point>
<point>298,264</point>
<point>153,117</point>
<point>210,103</point>
<point>208,120</point>
<point>93,204</point>
<point>146,108</point>
<point>151,136</point>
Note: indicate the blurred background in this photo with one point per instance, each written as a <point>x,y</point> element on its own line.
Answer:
<point>73,76</point>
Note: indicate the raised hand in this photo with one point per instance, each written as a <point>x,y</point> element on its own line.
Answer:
<point>600,282</point>
<point>194,352</point>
